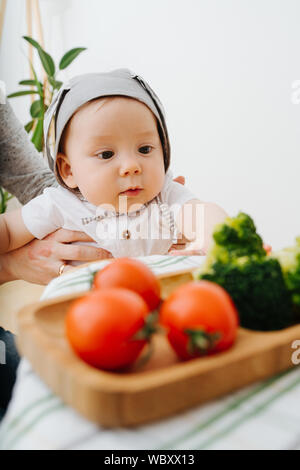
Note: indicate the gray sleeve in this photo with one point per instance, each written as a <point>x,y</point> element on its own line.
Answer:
<point>23,171</point>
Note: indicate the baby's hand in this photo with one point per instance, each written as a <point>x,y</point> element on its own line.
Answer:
<point>182,247</point>
<point>199,246</point>
<point>186,249</point>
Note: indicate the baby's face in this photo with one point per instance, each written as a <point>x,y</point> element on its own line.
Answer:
<point>111,145</point>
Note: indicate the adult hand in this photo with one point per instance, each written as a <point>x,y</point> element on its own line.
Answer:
<point>39,261</point>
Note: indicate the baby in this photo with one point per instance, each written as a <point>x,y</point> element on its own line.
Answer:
<point>111,159</point>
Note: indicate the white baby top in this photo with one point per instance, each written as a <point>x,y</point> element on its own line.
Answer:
<point>148,231</point>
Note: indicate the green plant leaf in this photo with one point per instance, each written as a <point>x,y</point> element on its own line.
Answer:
<point>38,84</point>
<point>2,201</point>
<point>69,56</point>
<point>29,126</point>
<point>28,82</point>
<point>4,198</point>
<point>22,93</point>
<point>47,62</point>
<point>37,138</point>
<point>46,59</point>
<point>36,109</point>
<point>55,83</point>
<point>32,42</point>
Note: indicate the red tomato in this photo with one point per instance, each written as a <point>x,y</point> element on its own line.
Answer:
<point>200,318</point>
<point>101,325</point>
<point>131,274</point>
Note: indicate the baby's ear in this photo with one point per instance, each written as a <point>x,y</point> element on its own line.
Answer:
<point>65,170</point>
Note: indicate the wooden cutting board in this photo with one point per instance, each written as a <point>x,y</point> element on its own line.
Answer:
<point>161,387</point>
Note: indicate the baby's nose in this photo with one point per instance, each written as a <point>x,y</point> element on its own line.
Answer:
<point>130,168</point>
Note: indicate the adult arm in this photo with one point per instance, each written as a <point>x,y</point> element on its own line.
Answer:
<point>39,261</point>
<point>23,172</point>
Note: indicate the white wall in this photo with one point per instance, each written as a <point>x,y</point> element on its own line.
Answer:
<point>224,70</point>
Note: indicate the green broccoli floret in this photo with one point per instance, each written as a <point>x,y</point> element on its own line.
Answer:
<point>289,259</point>
<point>238,262</point>
<point>234,238</point>
<point>238,235</point>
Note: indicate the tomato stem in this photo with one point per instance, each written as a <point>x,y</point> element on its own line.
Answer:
<point>146,356</point>
<point>149,327</point>
<point>200,341</point>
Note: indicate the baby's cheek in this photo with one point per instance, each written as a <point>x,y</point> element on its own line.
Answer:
<point>99,193</point>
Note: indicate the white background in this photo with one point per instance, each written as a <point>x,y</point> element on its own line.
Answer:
<point>224,70</point>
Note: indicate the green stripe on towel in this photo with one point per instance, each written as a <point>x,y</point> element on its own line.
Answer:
<point>236,403</point>
<point>255,411</point>
<point>11,425</point>
<point>31,424</point>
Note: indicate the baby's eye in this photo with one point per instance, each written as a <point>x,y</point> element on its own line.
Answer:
<point>106,155</point>
<point>144,149</point>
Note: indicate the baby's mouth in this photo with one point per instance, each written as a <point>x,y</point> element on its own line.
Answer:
<point>132,192</point>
